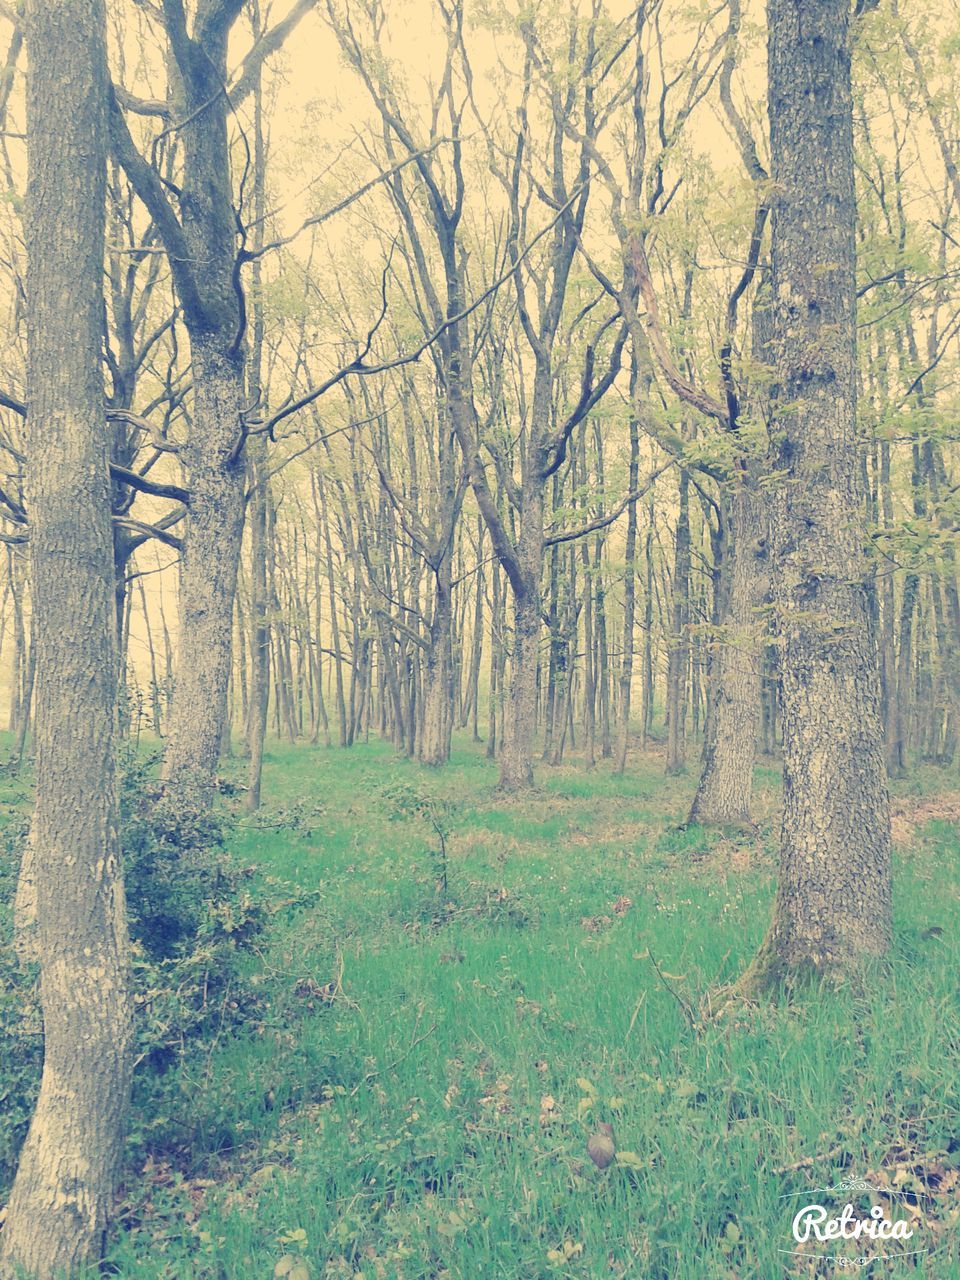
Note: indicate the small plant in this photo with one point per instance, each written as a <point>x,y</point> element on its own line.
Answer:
<point>406,801</point>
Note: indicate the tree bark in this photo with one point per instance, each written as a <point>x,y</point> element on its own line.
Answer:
<point>208,571</point>
<point>629,594</point>
<point>726,780</point>
<point>61,1200</point>
<point>833,904</point>
<point>678,656</point>
<point>516,756</point>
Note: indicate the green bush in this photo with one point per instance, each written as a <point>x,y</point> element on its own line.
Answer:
<point>194,915</point>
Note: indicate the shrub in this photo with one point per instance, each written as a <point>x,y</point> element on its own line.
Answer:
<point>194,915</point>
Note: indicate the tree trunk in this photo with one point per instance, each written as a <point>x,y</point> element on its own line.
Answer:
<point>833,900</point>
<point>437,719</point>
<point>259,625</point>
<point>208,571</point>
<point>516,757</point>
<point>61,1200</point>
<point>260,528</point>
<point>679,653</point>
<point>629,597</point>
<point>726,781</point>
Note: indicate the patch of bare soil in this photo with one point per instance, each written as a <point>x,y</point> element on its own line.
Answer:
<point>910,814</point>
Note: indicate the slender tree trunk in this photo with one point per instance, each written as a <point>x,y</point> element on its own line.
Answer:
<point>435,733</point>
<point>16,662</point>
<point>833,900</point>
<point>494,725</point>
<point>629,599</point>
<point>155,712</point>
<point>647,688</point>
<point>61,1201</point>
<point>26,701</point>
<point>678,657</point>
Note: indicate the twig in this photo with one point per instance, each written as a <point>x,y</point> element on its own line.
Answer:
<point>372,1075</point>
<point>684,1006</point>
<point>809,1161</point>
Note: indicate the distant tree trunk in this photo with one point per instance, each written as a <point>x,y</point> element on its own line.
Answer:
<point>647,688</point>
<point>26,699</point>
<point>435,734</point>
<point>833,899</point>
<point>678,656</point>
<point>726,780</point>
<point>888,680</point>
<point>320,499</point>
<point>493,725</point>
<point>17,661</point>
<point>208,570</point>
<point>629,594</point>
<point>155,712</point>
<point>589,669</point>
<point>61,1201</point>
<point>516,756</point>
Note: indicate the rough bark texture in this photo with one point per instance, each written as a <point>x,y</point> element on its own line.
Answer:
<point>437,706</point>
<point>516,756</point>
<point>200,241</point>
<point>833,901</point>
<point>60,1202</point>
<point>733,719</point>
<point>208,572</point>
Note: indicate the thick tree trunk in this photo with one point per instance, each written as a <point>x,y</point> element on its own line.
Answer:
<point>61,1199</point>
<point>733,719</point>
<point>208,571</point>
<point>833,898</point>
<point>516,755</point>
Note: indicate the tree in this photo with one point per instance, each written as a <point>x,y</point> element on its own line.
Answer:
<point>833,899</point>
<point>61,1198</point>
<point>200,238</point>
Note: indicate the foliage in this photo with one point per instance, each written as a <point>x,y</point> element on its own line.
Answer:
<point>194,915</point>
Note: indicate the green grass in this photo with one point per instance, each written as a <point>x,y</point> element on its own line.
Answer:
<point>431,1119</point>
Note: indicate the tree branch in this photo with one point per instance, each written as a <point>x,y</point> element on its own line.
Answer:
<point>601,522</point>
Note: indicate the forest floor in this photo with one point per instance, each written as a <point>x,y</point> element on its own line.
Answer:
<point>416,1092</point>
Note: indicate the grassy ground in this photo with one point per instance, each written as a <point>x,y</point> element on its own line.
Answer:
<point>416,1098</point>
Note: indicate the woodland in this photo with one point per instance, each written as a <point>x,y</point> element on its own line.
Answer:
<point>479,637</point>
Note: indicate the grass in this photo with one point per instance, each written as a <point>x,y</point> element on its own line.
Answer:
<point>416,1098</point>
